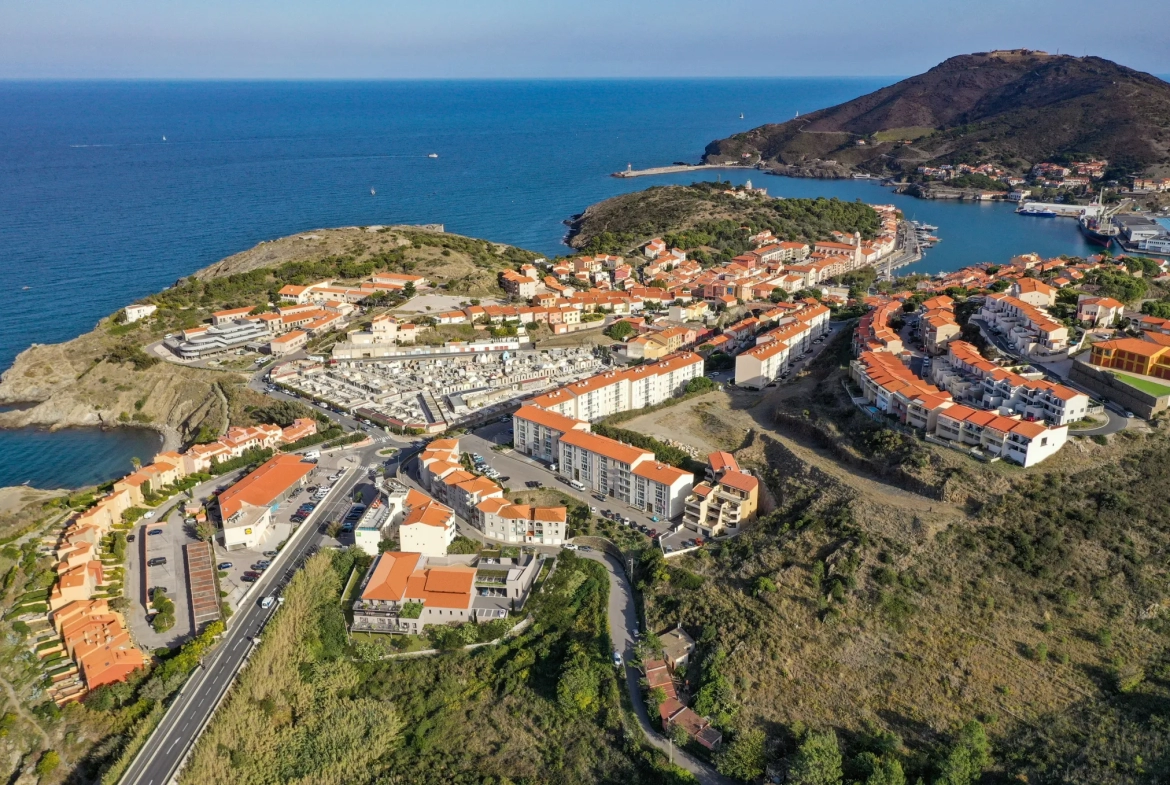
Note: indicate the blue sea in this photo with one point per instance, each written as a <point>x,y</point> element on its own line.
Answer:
<point>113,190</point>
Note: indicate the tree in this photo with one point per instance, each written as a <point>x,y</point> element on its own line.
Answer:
<point>880,770</point>
<point>48,763</point>
<point>205,530</point>
<point>333,529</point>
<point>408,290</point>
<point>699,384</point>
<point>817,761</point>
<point>619,331</point>
<point>679,735</point>
<point>745,758</point>
<point>778,295</point>
<point>136,462</point>
<point>969,755</point>
<point>578,689</point>
<point>762,585</point>
<point>118,546</point>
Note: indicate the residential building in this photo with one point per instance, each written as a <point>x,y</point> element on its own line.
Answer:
<point>622,472</point>
<point>209,341</point>
<point>518,285</point>
<point>405,592</point>
<point>1098,311</point>
<point>1025,443</point>
<point>246,508</point>
<point>428,526</point>
<point>1033,291</point>
<point>519,523</point>
<point>137,312</point>
<point>536,432</point>
<point>723,505</point>
<point>1026,327</point>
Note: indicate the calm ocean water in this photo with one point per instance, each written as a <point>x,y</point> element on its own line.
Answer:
<point>97,209</point>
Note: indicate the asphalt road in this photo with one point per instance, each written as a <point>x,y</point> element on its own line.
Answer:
<point>623,621</point>
<point>185,719</point>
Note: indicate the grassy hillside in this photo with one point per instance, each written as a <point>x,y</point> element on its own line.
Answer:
<point>1013,108</point>
<point>543,707</point>
<point>104,377</point>
<point>703,215</point>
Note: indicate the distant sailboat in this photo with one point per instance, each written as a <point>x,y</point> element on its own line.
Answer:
<point>372,192</point>
<point>741,115</point>
<point>164,138</point>
<point>433,155</point>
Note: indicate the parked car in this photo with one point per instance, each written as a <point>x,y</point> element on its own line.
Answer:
<point>129,538</point>
<point>148,514</point>
<point>654,518</point>
<point>157,561</point>
<point>570,546</point>
<point>224,565</point>
<point>617,659</point>
<point>252,573</point>
<point>533,483</point>
<point>248,578</point>
<point>270,554</point>
<point>153,532</point>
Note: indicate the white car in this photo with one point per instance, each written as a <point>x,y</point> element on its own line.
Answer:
<point>148,514</point>
<point>570,546</point>
<point>267,602</point>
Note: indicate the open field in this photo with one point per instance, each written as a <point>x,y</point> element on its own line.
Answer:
<point>1145,385</point>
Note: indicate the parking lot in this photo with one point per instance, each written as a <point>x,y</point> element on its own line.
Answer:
<point>516,471</point>
<point>239,568</point>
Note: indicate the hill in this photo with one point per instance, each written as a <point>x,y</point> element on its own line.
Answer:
<point>1014,108</point>
<point>707,215</point>
<point>103,377</point>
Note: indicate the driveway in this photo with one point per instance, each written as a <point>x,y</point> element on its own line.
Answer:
<point>623,621</point>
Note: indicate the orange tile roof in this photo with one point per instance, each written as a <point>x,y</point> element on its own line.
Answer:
<point>547,419</point>
<point>722,461</point>
<point>429,513</point>
<point>442,587</point>
<point>606,447</point>
<point>660,473</point>
<point>264,485</point>
<point>390,576</point>
<point>740,481</point>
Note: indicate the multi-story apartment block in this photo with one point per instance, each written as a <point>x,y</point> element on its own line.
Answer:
<point>618,391</point>
<point>1025,326</point>
<point>622,472</point>
<point>725,501</point>
<point>1097,311</point>
<point>537,432</point>
<point>519,523</point>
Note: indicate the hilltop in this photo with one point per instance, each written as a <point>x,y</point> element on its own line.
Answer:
<point>708,214</point>
<point>103,377</point>
<point>1013,108</point>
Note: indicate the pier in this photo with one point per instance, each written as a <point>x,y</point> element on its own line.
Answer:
<point>631,172</point>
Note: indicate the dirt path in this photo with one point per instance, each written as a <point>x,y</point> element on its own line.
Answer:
<point>18,707</point>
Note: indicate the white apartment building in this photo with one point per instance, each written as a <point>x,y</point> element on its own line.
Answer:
<point>1025,326</point>
<point>1025,443</point>
<point>428,528</point>
<point>537,432</point>
<point>762,364</point>
<point>622,472</point>
<point>618,391</point>
<point>519,523</point>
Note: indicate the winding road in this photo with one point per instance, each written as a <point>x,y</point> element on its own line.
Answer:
<point>623,620</point>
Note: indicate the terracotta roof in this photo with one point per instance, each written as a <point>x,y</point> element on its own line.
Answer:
<point>604,446</point>
<point>429,513</point>
<point>660,473</point>
<point>547,419</point>
<point>390,575</point>
<point>720,461</point>
<point>265,484</point>
<point>740,481</point>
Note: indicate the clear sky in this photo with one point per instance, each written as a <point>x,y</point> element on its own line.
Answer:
<point>386,39</point>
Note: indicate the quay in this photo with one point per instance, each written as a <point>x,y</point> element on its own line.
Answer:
<point>632,172</point>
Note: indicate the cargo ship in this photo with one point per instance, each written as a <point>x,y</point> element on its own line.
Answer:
<point>1098,231</point>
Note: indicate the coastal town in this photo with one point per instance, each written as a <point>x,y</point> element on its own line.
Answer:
<point>719,488</point>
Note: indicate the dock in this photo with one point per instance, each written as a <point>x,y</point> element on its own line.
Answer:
<point>631,172</point>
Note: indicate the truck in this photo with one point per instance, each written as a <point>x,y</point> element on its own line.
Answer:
<point>313,455</point>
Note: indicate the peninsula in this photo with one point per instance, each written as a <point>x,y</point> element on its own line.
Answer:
<point>1011,109</point>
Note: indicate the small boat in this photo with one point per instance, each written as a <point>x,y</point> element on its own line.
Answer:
<point>741,115</point>
<point>433,155</point>
<point>164,138</point>
<point>25,288</point>
<point>372,192</point>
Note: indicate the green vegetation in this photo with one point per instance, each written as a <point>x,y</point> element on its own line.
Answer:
<point>663,452</point>
<point>1117,284</point>
<point>164,606</point>
<point>544,706</point>
<point>702,218</point>
<point>1145,385</point>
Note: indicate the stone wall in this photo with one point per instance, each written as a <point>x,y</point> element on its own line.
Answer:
<point>1102,382</point>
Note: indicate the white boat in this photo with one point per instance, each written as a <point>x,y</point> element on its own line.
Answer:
<point>741,115</point>
<point>164,138</point>
<point>372,192</point>
<point>433,155</point>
